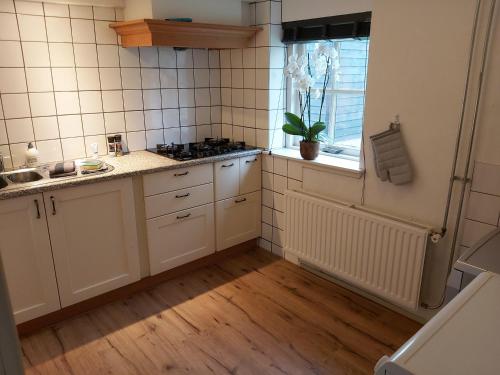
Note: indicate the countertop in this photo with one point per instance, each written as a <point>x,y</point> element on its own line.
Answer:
<point>133,164</point>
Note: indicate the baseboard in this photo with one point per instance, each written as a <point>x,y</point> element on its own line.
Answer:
<point>146,283</point>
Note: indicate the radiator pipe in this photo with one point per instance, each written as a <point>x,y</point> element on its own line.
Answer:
<point>465,180</point>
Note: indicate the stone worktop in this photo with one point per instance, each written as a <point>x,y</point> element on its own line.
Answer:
<point>133,164</point>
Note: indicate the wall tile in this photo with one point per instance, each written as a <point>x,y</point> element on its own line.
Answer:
<point>150,78</point>
<point>104,34</point>
<point>486,178</point>
<point>12,80</point>
<point>70,126</point>
<point>42,104</point>
<point>129,57</point>
<point>45,128</point>
<point>20,130</point>
<point>110,78</point>
<point>11,55</point>
<point>36,54</point>
<point>88,79</point>
<point>27,7</point>
<point>58,29</point>
<point>85,55</point>
<point>67,103</point>
<point>61,55</point>
<point>153,119</point>
<point>73,148</point>
<point>39,79</point>
<point>112,101</point>
<point>108,56</point>
<point>484,208</point>
<point>132,100</point>
<point>64,79</point>
<point>473,231</point>
<point>82,31</point>
<point>8,27</point>
<point>15,105</point>
<point>77,11</point>
<point>32,28</point>
<point>93,124</point>
<point>56,10</point>
<point>114,122</point>
<point>131,78</point>
<point>49,150</point>
<point>91,101</point>
<point>149,57</point>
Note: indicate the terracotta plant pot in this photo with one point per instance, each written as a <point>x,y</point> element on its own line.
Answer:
<point>309,150</point>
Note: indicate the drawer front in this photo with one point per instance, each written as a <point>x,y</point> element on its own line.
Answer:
<point>177,200</point>
<point>238,219</point>
<point>180,238</point>
<point>176,179</point>
<point>250,174</point>
<point>227,182</point>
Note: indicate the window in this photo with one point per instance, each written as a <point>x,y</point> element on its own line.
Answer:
<point>344,100</point>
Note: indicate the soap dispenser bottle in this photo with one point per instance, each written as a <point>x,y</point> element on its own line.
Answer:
<point>31,156</point>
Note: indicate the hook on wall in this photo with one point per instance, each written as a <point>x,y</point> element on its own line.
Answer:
<point>395,125</point>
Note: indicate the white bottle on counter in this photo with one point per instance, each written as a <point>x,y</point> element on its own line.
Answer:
<point>32,155</point>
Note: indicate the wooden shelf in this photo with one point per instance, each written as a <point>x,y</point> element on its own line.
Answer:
<point>148,32</point>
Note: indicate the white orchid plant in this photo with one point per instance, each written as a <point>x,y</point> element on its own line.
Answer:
<point>303,71</point>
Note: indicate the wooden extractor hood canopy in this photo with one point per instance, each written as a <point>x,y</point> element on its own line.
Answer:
<point>148,32</point>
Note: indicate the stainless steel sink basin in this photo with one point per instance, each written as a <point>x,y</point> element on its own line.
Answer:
<point>26,176</point>
<point>3,183</point>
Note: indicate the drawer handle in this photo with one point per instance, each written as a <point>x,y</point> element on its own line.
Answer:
<point>181,174</point>
<point>54,212</point>
<point>240,200</point>
<point>183,195</point>
<point>38,216</point>
<point>183,217</point>
<point>227,165</point>
<point>250,161</point>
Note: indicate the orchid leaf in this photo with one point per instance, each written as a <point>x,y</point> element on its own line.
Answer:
<point>292,130</point>
<point>295,121</point>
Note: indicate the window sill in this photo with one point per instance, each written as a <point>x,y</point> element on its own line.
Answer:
<point>346,167</point>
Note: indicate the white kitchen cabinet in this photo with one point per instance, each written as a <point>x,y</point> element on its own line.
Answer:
<point>237,176</point>
<point>238,219</point>
<point>162,182</point>
<point>27,257</point>
<point>250,174</point>
<point>94,238</point>
<point>227,179</point>
<point>180,237</point>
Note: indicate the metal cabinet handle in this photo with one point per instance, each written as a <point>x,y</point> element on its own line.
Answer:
<point>240,200</point>
<point>183,217</point>
<point>38,216</point>
<point>181,174</point>
<point>183,195</point>
<point>53,205</point>
<point>250,161</point>
<point>227,165</point>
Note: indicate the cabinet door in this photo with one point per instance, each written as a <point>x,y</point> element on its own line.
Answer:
<point>94,238</point>
<point>180,238</point>
<point>227,179</point>
<point>238,220</point>
<point>250,174</point>
<point>27,257</point>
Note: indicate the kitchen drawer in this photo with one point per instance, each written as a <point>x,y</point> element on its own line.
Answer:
<point>180,238</point>
<point>177,200</point>
<point>163,182</point>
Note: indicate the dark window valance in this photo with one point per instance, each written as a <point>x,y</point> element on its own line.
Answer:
<point>355,25</point>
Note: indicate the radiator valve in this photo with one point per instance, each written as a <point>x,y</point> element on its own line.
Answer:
<point>435,237</point>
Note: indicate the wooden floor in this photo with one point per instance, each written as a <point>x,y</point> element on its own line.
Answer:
<point>252,314</point>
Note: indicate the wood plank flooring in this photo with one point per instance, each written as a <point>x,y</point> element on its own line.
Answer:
<point>252,314</point>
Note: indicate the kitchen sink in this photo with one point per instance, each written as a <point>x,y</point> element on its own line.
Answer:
<point>3,183</point>
<point>25,176</point>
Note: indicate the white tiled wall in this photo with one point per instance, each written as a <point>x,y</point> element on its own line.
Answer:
<point>252,84</point>
<point>483,209</point>
<point>278,174</point>
<point>65,84</point>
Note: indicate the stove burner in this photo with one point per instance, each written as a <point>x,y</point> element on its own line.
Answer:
<point>198,150</point>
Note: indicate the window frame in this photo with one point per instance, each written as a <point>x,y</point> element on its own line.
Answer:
<point>292,105</point>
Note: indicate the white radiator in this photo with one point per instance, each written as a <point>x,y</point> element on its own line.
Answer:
<point>383,256</point>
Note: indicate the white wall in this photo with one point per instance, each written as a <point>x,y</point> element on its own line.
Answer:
<point>294,10</point>
<point>211,11</point>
